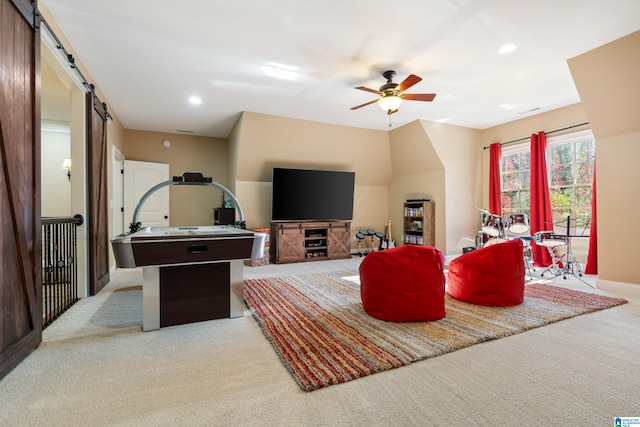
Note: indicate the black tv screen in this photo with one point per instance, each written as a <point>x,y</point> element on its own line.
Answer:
<point>312,195</point>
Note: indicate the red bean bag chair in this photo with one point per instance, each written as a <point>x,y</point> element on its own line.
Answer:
<point>403,284</point>
<point>491,276</point>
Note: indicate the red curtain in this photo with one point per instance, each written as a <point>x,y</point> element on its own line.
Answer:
<point>592,256</point>
<point>540,216</point>
<point>495,196</point>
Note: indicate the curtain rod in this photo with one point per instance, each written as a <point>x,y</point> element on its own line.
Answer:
<point>546,133</point>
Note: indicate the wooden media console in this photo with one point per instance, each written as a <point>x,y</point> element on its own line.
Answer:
<point>309,241</point>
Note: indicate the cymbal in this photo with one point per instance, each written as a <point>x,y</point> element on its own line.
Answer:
<point>484,211</point>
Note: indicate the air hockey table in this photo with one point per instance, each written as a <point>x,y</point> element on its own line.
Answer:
<point>190,274</point>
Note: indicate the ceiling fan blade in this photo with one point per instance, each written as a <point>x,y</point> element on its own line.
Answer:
<point>364,105</point>
<point>418,96</point>
<point>408,82</point>
<point>366,89</point>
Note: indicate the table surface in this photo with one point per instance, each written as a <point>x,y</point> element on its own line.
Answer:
<point>195,232</point>
<point>190,231</point>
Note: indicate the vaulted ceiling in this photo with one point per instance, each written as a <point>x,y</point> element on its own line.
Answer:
<point>148,57</point>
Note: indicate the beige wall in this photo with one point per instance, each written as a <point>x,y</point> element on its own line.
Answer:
<point>271,141</point>
<point>438,162</point>
<point>56,188</point>
<point>188,205</point>
<point>607,80</point>
<point>458,150</point>
<point>263,142</point>
<point>233,146</point>
<point>618,190</point>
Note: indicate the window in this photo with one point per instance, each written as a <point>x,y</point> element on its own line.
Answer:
<point>515,181</point>
<point>570,160</point>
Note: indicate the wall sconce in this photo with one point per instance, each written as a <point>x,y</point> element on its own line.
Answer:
<point>66,165</point>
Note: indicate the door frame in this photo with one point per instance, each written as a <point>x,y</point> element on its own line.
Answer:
<point>118,224</point>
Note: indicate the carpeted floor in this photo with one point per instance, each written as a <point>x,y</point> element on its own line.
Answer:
<point>320,331</point>
<point>96,367</point>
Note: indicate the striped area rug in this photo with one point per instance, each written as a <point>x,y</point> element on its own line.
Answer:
<point>318,327</point>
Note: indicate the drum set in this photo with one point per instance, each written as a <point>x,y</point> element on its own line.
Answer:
<point>497,229</point>
<point>362,235</point>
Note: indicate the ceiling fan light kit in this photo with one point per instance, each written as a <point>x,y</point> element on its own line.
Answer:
<point>392,94</point>
<point>389,103</point>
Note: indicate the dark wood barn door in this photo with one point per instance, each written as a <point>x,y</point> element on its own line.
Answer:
<point>20,241</point>
<point>98,222</point>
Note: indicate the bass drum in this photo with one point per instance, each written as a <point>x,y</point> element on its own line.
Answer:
<point>519,223</point>
<point>492,225</point>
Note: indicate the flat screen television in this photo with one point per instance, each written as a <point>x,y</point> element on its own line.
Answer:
<point>312,195</point>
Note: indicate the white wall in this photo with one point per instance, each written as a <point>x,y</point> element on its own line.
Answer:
<point>56,188</point>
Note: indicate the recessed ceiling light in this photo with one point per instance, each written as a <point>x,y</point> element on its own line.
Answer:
<point>529,111</point>
<point>281,71</point>
<point>195,100</point>
<point>284,66</point>
<point>507,48</point>
<point>507,106</point>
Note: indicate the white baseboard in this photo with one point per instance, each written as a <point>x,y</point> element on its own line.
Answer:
<point>618,287</point>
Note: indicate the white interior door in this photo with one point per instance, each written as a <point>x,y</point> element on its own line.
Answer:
<point>140,177</point>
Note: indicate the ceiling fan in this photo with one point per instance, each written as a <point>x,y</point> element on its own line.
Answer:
<point>392,94</point>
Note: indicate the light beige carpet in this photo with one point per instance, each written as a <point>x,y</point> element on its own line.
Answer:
<point>581,371</point>
<point>318,327</point>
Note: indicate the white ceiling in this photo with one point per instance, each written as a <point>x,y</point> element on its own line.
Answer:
<point>149,56</point>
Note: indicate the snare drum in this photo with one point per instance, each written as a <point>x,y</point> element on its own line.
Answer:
<point>549,239</point>
<point>492,225</point>
<point>519,223</point>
